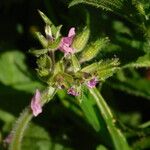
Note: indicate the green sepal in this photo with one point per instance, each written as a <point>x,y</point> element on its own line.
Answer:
<point>75,63</point>
<point>38,52</point>
<point>93,49</point>
<point>63,79</point>
<point>81,40</point>
<point>48,22</point>
<point>91,68</point>
<point>59,67</point>
<point>80,91</point>
<point>48,31</point>
<point>44,62</point>
<point>42,72</point>
<point>58,34</point>
<point>54,45</point>
<point>41,39</point>
<point>107,68</point>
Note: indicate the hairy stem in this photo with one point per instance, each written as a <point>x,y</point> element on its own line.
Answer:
<point>24,119</point>
<point>19,129</point>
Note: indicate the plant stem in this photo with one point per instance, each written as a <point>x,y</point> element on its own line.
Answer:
<point>24,119</point>
<point>19,129</point>
<point>118,138</point>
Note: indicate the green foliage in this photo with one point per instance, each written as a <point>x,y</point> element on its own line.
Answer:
<point>143,61</point>
<point>16,75</point>
<point>119,140</point>
<point>132,83</point>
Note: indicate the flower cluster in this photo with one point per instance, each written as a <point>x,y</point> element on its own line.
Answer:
<point>65,46</point>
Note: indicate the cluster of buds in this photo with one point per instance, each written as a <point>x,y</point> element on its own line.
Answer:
<point>63,63</point>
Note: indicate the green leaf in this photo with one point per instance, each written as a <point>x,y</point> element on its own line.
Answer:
<point>37,135</point>
<point>38,52</point>
<point>101,147</point>
<point>14,72</point>
<point>109,5</point>
<point>41,139</point>
<point>133,84</point>
<point>48,22</point>
<point>119,140</point>
<point>143,61</point>
<point>93,116</point>
<point>87,107</point>
<point>130,10</point>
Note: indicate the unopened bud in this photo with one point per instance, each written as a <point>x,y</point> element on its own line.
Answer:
<point>93,49</point>
<point>48,32</point>
<point>81,40</point>
<point>91,68</point>
<point>41,39</point>
<point>44,62</point>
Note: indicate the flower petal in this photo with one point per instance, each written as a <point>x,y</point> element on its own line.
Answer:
<point>92,83</point>
<point>65,44</point>
<point>8,139</point>
<point>71,32</point>
<point>72,91</point>
<point>35,103</point>
<point>65,48</point>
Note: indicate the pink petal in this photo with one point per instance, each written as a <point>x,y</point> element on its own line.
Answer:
<point>72,91</point>
<point>92,83</point>
<point>65,44</point>
<point>71,32</point>
<point>35,103</point>
<point>67,40</point>
<point>8,139</point>
<point>65,48</point>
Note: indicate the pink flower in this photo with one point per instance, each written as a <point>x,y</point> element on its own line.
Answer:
<point>92,83</point>
<point>35,103</point>
<point>8,139</point>
<point>65,44</point>
<point>73,92</point>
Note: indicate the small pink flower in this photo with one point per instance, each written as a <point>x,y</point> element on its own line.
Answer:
<point>65,44</point>
<point>73,92</point>
<point>8,139</point>
<point>35,103</point>
<point>92,83</point>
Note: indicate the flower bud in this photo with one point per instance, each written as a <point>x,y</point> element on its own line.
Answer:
<point>93,49</point>
<point>44,62</point>
<point>48,32</point>
<point>107,68</point>
<point>42,39</point>
<point>81,40</point>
